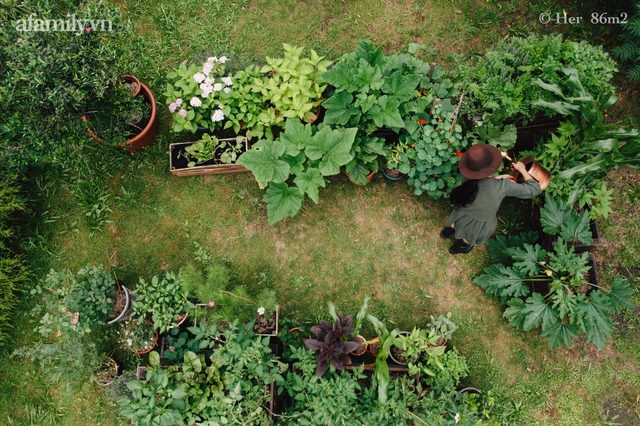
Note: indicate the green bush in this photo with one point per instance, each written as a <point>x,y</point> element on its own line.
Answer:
<point>48,79</point>
<point>499,83</point>
<point>13,271</point>
<point>629,50</point>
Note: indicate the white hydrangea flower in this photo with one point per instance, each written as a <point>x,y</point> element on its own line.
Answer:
<point>209,80</point>
<point>199,77</point>
<point>217,87</point>
<point>213,59</point>
<point>195,102</point>
<point>227,81</point>
<point>207,67</point>
<point>227,90</point>
<point>218,115</point>
<point>223,59</point>
<point>206,90</point>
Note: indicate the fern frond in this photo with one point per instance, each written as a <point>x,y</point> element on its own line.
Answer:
<point>634,73</point>
<point>627,51</point>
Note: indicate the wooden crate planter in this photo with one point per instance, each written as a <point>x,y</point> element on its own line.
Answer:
<point>200,306</point>
<point>178,164</point>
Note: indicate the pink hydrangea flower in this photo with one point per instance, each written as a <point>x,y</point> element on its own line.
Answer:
<point>179,101</point>
<point>173,106</point>
<point>212,304</point>
<point>183,113</point>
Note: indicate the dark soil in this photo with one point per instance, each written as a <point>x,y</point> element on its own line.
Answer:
<point>375,347</point>
<point>108,372</point>
<point>132,87</point>
<point>118,301</point>
<point>398,354</point>
<point>392,173</point>
<point>620,413</point>
<point>264,325</point>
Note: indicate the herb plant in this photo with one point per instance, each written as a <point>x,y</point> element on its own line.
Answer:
<point>161,301</point>
<point>301,154</point>
<point>210,148</point>
<point>572,304</point>
<point>332,343</point>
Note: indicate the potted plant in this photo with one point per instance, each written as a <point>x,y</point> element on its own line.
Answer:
<point>391,172</point>
<point>208,156</point>
<point>79,302</point>
<point>440,329</point>
<point>107,372</point>
<point>161,301</point>
<point>332,343</point>
<point>138,336</point>
<point>127,119</point>
<point>569,305</point>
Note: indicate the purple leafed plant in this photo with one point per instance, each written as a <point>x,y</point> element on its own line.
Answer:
<point>332,342</point>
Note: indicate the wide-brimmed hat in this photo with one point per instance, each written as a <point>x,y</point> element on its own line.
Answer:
<point>480,161</point>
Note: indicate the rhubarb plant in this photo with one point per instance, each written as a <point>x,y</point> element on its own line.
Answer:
<point>301,155</point>
<point>564,221</point>
<point>572,304</point>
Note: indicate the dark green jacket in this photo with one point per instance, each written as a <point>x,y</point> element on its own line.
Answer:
<point>477,221</point>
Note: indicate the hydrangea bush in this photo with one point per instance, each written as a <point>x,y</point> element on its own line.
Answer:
<point>196,95</point>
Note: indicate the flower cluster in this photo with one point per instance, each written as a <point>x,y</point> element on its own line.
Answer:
<point>137,336</point>
<point>202,103</point>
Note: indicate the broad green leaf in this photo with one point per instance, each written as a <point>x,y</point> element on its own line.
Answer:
<point>332,148</point>
<point>295,137</point>
<point>498,246</point>
<point>594,319</point>
<point>337,106</point>
<point>527,258</point>
<point>502,282</point>
<point>366,50</point>
<point>536,312</point>
<point>560,333</point>
<point>403,87</point>
<point>154,359</point>
<point>282,201</point>
<point>178,393</point>
<point>386,113</point>
<point>577,228</point>
<point>367,77</point>
<point>620,295</point>
<point>553,215</point>
<point>339,76</point>
<point>264,161</point>
<point>308,182</point>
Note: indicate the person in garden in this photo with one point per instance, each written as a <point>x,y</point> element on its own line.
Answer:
<point>477,199</point>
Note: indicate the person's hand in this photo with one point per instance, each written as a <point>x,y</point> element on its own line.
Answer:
<point>511,178</point>
<point>519,166</point>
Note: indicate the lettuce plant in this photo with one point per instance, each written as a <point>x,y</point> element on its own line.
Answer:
<point>301,152</point>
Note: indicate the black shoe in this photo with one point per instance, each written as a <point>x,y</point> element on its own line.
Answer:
<point>460,247</point>
<point>447,231</point>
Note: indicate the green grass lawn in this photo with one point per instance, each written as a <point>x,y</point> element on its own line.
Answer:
<point>379,239</point>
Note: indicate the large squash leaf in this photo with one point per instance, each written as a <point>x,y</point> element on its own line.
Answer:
<point>620,295</point>
<point>498,246</point>
<point>533,313</point>
<point>553,215</point>
<point>576,228</point>
<point>527,258</point>
<point>308,182</point>
<point>282,201</point>
<point>386,113</point>
<point>368,51</point>
<point>403,87</point>
<point>332,148</point>
<point>502,282</point>
<point>560,333</point>
<point>263,160</point>
<point>593,318</point>
<point>295,137</point>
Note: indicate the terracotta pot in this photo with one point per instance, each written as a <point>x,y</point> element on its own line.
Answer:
<point>369,177</point>
<point>148,135</point>
<point>107,375</point>
<point>151,346</point>
<point>362,349</point>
